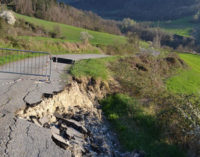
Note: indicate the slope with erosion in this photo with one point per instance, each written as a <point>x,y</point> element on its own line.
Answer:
<point>20,92</point>
<point>135,82</point>
<point>146,117</point>
<point>149,115</point>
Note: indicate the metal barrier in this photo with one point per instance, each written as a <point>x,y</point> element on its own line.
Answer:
<point>25,62</point>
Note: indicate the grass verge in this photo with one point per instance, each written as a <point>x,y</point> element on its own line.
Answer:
<point>16,57</point>
<point>52,46</point>
<point>96,68</point>
<point>186,81</point>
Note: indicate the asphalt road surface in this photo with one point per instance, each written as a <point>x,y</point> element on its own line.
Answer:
<point>20,138</point>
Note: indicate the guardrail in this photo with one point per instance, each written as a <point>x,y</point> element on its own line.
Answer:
<point>25,62</point>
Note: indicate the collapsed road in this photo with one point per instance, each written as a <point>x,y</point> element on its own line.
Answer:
<point>18,137</point>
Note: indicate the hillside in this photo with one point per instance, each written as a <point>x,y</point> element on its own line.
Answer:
<point>147,85</point>
<point>138,9</point>
<point>187,81</point>
<point>71,33</point>
<point>182,26</point>
<point>51,10</point>
<point>40,35</point>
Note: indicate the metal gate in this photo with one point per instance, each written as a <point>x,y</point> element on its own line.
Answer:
<point>25,62</point>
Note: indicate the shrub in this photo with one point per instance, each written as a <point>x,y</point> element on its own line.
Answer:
<point>85,37</point>
<point>134,41</point>
<point>5,29</point>
<point>180,118</point>
<point>137,130</point>
<point>56,33</point>
<point>126,24</point>
<point>143,75</point>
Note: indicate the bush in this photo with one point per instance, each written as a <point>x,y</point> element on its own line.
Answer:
<point>6,29</point>
<point>126,24</point>
<point>176,117</point>
<point>119,48</point>
<point>2,27</point>
<point>181,120</point>
<point>196,17</point>
<point>134,41</point>
<point>143,75</point>
<point>137,130</point>
<point>85,37</point>
<point>56,33</point>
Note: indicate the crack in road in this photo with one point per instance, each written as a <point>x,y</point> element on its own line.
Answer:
<point>9,137</point>
<point>38,155</point>
<point>30,91</point>
<point>9,87</point>
<point>7,102</point>
<point>6,92</point>
<point>16,91</point>
<point>27,132</point>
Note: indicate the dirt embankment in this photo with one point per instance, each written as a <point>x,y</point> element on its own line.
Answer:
<point>76,120</point>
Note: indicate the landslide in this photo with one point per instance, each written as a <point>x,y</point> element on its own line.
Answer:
<point>76,120</point>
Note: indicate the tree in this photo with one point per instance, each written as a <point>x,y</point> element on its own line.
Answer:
<point>133,40</point>
<point>126,24</point>
<point>157,38</point>
<point>85,37</point>
<point>197,34</point>
<point>56,33</point>
<point>196,17</point>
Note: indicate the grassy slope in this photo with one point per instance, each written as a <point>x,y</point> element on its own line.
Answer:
<point>181,26</point>
<point>135,128</point>
<point>187,81</point>
<point>96,68</point>
<point>72,33</point>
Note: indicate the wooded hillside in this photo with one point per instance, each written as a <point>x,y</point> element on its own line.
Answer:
<point>139,9</point>
<point>59,12</point>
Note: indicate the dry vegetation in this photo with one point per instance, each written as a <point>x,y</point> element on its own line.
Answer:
<point>59,12</point>
<point>165,120</point>
<point>176,115</point>
<point>143,112</point>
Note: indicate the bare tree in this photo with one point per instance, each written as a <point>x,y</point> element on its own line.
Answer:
<point>85,37</point>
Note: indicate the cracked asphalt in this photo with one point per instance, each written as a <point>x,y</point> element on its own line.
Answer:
<point>20,138</point>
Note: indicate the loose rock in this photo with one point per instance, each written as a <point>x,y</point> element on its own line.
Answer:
<point>76,122</point>
<point>55,130</point>
<point>72,133</point>
<point>59,140</point>
<point>44,120</point>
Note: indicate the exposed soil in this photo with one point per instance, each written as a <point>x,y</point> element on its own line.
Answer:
<point>76,120</point>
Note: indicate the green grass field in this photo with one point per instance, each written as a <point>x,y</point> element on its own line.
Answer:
<point>12,57</point>
<point>187,81</point>
<point>72,33</point>
<point>96,68</point>
<point>182,26</point>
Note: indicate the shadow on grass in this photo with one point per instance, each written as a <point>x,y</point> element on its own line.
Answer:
<point>137,130</point>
